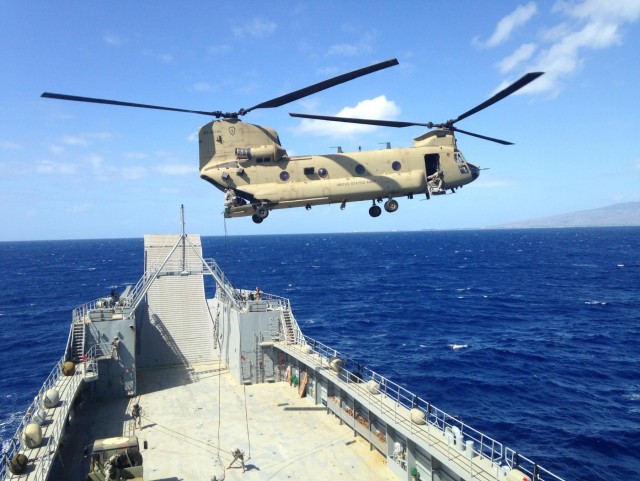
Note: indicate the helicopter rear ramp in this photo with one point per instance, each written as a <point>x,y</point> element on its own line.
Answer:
<point>174,324</point>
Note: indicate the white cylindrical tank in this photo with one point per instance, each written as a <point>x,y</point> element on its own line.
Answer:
<point>469,448</point>
<point>336,364</point>
<point>51,398</point>
<point>418,417</point>
<point>40,416</point>
<point>32,435</point>
<point>373,387</point>
<point>457,437</point>
<point>517,475</point>
<point>448,435</point>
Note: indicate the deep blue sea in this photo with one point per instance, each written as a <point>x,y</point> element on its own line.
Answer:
<point>550,319</point>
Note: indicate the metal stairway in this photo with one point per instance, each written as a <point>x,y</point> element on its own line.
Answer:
<point>78,341</point>
<point>287,325</point>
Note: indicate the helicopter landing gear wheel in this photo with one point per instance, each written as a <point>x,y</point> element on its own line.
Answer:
<point>391,205</point>
<point>256,219</point>
<point>261,212</point>
<point>375,211</point>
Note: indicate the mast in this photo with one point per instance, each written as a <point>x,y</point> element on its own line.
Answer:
<point>183,239</point>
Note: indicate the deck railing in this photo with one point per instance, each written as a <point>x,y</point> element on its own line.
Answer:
<point>396,402</point>
<point>54,431</point>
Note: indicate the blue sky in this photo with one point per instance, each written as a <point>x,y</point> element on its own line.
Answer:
<point>71,170</point>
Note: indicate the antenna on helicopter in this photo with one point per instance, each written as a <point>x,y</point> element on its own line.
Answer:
<point>338,149</point>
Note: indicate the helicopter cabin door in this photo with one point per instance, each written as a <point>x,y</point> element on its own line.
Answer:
<point>434,176</point>
<point>432,163</point>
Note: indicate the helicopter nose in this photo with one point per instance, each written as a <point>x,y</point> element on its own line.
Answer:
<point>475,171</point>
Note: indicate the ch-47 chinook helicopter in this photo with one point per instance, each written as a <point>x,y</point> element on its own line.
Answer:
<point>249,164</point>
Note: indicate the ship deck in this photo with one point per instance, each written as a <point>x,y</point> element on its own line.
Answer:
<point>194,417</point>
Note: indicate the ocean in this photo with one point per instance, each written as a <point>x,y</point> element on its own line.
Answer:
<point>531,336</point>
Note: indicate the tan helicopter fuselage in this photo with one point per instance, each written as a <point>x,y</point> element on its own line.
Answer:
<point>250,160</point>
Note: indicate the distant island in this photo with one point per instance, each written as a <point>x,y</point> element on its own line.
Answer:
<point>626,214</point>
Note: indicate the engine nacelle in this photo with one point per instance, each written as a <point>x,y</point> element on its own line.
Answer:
<point>263,153</point>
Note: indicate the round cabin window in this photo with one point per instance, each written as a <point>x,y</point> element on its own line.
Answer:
<point>360,169</point>
<point>396,165</point>
<point>322,172</point>
<point>284,176</point>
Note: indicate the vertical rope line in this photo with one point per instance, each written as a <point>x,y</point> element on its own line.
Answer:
<point>246,416</point>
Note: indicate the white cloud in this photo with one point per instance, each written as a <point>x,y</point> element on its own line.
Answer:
<point>193,137</point>
<point>562,49</point>
<point>133,173</point>
<point>257,28</point>
<point>202,86</point>
<point>220,49</point>
<point>8,145</point>
<point>564,57</point>
<point>74,140</point>
<point>135,155</point>
<point>79,208</point>
<point>113,39</point>
<point>85,139</point>
<point>361,47</point>
<point>507,25</point>
<point>55,149</point>
<point>522,54</point>
<point>599,10</point>
<point>163,57</point>
<point>376,108</point>
<point>96,161</point>
<point>48,167</point>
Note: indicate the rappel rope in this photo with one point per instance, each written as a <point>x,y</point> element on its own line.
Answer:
<point>246,417</point>
<point>193,441</point>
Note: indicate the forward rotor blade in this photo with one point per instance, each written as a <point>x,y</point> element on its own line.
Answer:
<point>503,142</point>
<point>312,89</point>
<point>517,85</point>
<point>351,120</point>
<point>123,104</point>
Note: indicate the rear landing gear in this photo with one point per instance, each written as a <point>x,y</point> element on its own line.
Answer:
<point>261,214</point>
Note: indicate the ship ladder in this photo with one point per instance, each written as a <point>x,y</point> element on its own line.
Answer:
<point>78,341</point>
<point>288,327</point>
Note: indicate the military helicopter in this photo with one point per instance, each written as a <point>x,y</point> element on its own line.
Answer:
<point>249,164</point>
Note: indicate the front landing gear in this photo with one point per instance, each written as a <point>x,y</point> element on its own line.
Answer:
<point>391,205</point>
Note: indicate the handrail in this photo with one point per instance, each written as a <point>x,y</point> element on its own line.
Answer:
<point>41,469</point>
<point>403,401</point>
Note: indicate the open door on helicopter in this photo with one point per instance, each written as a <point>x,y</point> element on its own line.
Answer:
<point>435,176</point>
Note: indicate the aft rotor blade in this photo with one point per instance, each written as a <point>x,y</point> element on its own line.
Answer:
<point>503,142</point>
<point>351,120</point>
<point>517,85</point>
<point>123,104</point>
<point>312,89</point>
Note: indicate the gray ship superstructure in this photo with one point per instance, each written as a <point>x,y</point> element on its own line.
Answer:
<point>230,388</point>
